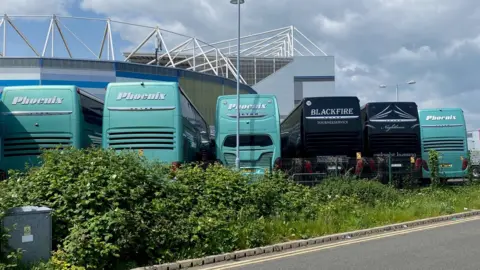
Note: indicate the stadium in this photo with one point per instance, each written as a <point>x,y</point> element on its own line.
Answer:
<point>281,61</point>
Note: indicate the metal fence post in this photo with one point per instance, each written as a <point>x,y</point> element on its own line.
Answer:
<point>390,180</point>
<point>336,166</point>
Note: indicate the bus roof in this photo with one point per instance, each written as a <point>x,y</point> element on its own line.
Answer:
<point>440,109</point>
<point>158,83</point>
<point>305,98</point>
<point>247,95</point>
<point>53,87</point>
<point>388,102</point>
<point>332,97</point>
<point>142,83</point>
<point>39,87</point>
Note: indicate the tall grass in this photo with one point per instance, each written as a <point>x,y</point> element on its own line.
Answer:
<point>363,204</point>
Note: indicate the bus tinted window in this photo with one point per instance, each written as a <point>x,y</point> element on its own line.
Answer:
<point>248,140</point>
<point>92,110</point>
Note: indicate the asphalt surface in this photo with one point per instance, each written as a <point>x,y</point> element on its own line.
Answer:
<point>452,247</point>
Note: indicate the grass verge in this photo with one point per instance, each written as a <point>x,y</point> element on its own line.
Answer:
<point>348,213</point>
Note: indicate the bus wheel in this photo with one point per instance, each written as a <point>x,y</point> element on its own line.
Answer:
<point>476,172</point>
<point>443,181</point>
<point>424,182</point>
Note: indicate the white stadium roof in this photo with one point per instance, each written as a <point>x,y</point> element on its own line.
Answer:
<point>65,37</point>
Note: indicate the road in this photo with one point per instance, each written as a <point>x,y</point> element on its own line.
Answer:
<point>453,245</point>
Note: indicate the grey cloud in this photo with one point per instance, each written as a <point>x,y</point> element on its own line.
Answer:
<point>374,41</point>
<point>38,7</point>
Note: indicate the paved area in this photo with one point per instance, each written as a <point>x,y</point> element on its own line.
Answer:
<point>448,247</point>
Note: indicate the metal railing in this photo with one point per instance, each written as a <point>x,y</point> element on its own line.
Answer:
<point>399,171</point>
<point>391,169</point>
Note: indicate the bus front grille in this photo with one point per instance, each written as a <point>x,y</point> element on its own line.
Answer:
<point>33,144</point>
<point>395,142</point>
<point>141,138</point>
<point>333,143</point>
<point>444,145</point>
<point>265,161</point>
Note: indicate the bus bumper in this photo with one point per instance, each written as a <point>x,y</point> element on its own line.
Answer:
<point>449,175</point>
<point>254,171</point>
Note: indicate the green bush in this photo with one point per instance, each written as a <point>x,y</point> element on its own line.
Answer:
<point>469,168</point>
<point>118,211</point>
<point>103,194</point>
<point>274,196</point>
<point>113,210</point>
<point>433,166</point>
<point>203,212</point>
<point>9,258</point>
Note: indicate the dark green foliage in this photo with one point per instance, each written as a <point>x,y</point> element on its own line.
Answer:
<point>118,211</point>
<point>112,208</point>
<point>9,258</point>
<point>101,199</point>
<point>276,197</point>
<point>433,166</point>
<point>469,168</point>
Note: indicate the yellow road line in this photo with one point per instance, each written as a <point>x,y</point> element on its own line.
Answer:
<point>334,245</point>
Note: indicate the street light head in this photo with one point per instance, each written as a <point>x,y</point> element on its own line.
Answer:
<point>412,82</point>
<point>235,2</point>
<point>382,86</point>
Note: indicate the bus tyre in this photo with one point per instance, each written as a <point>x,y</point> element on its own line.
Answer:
<point>476,171</point>
<point>443,181</point>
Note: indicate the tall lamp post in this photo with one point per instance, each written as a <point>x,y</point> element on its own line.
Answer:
<point>396,86</point>
<point>237,159</point>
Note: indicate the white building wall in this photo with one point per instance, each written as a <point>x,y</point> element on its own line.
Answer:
<point>473,140</point>
<point>305,76</point>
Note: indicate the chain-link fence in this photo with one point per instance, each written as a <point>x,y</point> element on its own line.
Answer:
<point>387,169</point>
<point>399,171</point>
<point>475,163</point>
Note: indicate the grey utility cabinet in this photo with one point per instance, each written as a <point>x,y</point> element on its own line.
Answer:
<point>30,230</point>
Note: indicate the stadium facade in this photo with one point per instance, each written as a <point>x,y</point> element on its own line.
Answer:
<point>94,76</point>
<point>272,62</point>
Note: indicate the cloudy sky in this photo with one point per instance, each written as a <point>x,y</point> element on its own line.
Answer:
<point>434,42</point>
